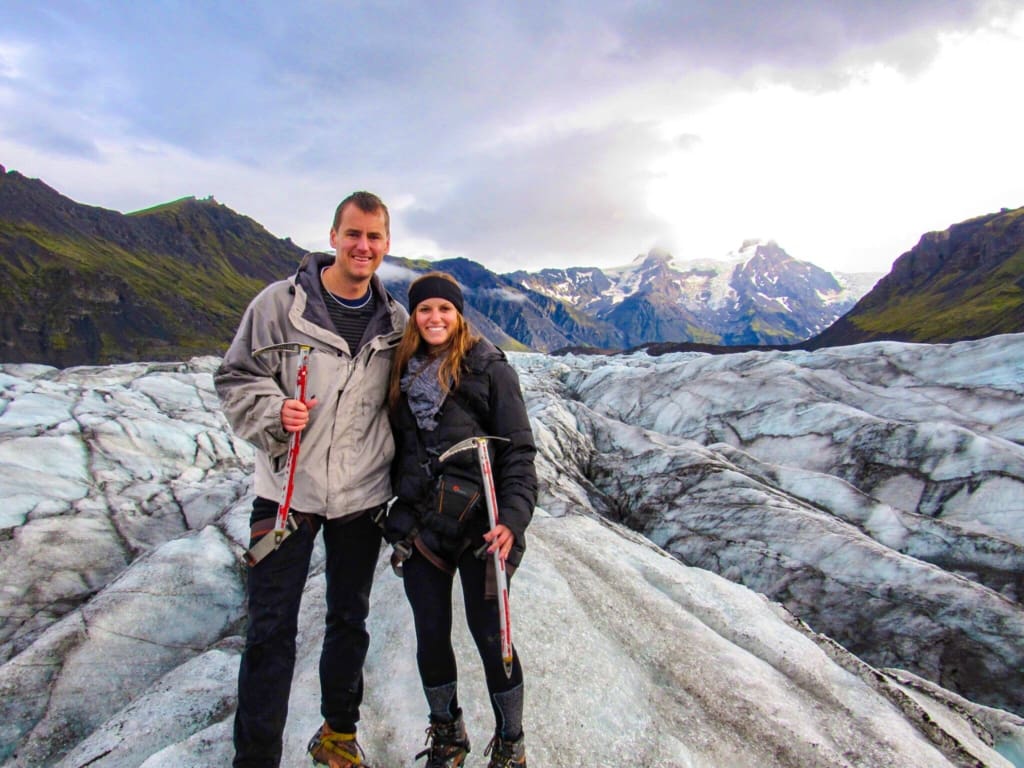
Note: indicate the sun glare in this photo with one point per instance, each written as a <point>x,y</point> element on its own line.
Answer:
<point>814,171</point>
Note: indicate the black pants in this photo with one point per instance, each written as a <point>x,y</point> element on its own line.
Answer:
<point>274,587</point>
<point>429,590</point>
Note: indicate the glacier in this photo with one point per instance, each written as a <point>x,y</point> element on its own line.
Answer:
<point>763,558</point>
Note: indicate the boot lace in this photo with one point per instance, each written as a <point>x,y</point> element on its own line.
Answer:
<point>444,751</point>
<point>327,744</point>
<point>503,753</point>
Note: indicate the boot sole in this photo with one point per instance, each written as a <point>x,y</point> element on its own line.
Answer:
<point>347,764</point>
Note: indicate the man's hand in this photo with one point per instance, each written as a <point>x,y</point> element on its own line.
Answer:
<point>295,414</point>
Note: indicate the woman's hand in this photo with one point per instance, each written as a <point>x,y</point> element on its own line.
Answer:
<point>295,414</point>
<point>500,540</point>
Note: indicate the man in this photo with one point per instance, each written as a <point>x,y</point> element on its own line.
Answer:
<point>337,306</point>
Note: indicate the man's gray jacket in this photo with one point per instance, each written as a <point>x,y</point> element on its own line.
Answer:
<point>346,449</point>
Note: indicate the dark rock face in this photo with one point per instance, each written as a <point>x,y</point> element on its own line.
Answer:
<point>85,285</point>
<point>964,283</point>
<point>507,312</point>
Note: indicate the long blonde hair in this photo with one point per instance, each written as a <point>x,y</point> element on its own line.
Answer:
<point>454,352</point>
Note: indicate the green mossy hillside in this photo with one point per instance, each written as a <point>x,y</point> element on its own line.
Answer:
<point>966,282</point>
<point>85,285</point>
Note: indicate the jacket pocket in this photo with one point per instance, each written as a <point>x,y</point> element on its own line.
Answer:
<point>279,462</point>
<point>457,497</point>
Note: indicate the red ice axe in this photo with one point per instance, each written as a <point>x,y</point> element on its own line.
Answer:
<point>285,523</point>
<point>504,607</point>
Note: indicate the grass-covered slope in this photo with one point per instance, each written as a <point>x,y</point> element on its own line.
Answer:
<point>85,285</point>
<point>964,283</point>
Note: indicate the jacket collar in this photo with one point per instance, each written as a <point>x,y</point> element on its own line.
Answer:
<point>310,309</point>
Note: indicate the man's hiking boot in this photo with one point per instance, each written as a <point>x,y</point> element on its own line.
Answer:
<point>449,744</point>
<point>505,753</point>
<point>336,750</point>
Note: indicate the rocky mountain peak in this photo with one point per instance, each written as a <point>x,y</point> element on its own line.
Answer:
<point>656,255</point>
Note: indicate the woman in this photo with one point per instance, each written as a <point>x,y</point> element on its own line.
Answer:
<point>447,385</point>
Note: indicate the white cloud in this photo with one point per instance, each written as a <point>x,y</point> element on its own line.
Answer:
<point>504,294</point>
<point>390,271</point>
<point>12,57</point>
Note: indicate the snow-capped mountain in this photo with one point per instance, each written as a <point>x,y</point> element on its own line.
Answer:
<point>757,295</point>
<point>830,571</point>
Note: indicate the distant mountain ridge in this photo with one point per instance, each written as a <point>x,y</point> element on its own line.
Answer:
<point>87,285</point>
<point>759,295</point>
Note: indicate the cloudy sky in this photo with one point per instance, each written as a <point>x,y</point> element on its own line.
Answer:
<point>532,134</point>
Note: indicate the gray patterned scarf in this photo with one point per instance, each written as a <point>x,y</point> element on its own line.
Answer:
<point>421,385</point>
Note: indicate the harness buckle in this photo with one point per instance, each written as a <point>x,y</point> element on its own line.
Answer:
<point>403,551</point>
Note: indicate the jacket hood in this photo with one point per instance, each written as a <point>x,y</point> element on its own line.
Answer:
<point>482,354</point>
<point>307,277</point>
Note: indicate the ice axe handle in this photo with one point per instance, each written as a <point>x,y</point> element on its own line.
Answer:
<point>500,576</point>
<point>281,531</point>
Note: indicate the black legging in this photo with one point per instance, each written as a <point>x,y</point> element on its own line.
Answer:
<point>429,590</point>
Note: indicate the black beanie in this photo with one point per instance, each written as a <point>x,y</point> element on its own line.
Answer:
<point>433,287</point>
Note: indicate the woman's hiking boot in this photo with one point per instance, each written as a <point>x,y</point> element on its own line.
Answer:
<point>449,744</point>
<point>336,750</point>
<point>506,753</point>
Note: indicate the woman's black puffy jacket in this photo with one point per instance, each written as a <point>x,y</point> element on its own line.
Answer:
<point>489,401</point>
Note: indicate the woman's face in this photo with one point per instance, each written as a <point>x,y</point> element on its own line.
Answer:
<point>436,320</point>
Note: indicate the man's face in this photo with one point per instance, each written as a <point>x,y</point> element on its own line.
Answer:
<point>360,242</point>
